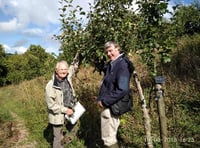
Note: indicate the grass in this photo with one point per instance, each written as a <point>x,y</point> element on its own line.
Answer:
<point>28,107</point>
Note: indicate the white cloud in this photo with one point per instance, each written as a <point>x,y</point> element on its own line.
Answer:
<point>6,48</point>
<point>18,50</point>
<point>9,26</point>
<point>36,12</point>
<point>33,32</point>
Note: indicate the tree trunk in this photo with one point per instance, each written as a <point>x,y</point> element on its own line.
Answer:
<point>72,70</point>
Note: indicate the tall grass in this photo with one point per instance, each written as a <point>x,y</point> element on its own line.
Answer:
<point>27,101</point>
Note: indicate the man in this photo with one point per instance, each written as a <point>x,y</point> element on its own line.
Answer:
<point>115,85</point>
<point>59,98</point>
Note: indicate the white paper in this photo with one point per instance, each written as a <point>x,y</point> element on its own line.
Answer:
<point>78,112</point>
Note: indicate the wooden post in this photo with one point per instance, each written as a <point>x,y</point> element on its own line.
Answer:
<point>161,112</point>
<point>146,118</point>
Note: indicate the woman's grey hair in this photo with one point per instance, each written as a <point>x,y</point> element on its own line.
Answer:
<point>61,62</point>
<point>110,43</point>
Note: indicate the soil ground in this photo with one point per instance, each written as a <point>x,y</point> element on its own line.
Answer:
<point>13,134</point>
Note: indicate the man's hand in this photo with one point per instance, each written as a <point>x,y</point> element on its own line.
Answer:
<point>100,104</point>
<point>69,112</point>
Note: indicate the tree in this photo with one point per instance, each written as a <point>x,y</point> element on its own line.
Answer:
<point>73,36</point>
<point>36,57</point>
<point>153,41</point>
<point>107,20</point>
<point>3,69</point>
<point>16,65</point>
<point>115,20</point>
<point>33,63</point>
<point>186,19</point>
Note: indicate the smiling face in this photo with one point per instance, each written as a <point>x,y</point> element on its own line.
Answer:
<point>112,52</point>
<point>61,70</point>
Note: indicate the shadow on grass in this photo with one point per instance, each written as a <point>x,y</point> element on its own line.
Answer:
<point>90,128</point>
<point>48,134</point>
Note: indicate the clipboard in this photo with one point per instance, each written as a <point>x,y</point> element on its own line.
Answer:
<point>78,112</point>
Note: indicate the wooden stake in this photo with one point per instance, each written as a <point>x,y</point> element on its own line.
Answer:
<point>162,117</point>
<point>146,118</point>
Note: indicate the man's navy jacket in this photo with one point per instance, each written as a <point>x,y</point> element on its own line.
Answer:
<point>115,83</point>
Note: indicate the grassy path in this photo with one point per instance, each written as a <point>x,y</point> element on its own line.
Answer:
<point>13,133</point>
<point>22,133</point>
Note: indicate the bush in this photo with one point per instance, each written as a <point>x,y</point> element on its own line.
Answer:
<point>186,59</point>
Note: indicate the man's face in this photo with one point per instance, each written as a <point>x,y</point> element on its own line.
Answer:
<point>112,52</point>
<point>62,71</point>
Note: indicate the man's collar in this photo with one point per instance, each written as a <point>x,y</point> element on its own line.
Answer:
<point>117,58</point>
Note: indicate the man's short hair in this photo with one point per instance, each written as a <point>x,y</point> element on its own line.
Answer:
<point>110,43</point>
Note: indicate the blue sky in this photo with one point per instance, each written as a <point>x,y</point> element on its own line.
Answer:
<point>26,22</point>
